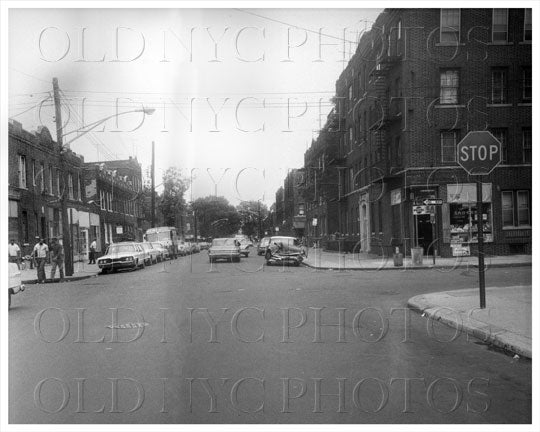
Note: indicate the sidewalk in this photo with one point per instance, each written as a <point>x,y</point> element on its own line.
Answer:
<point>80,271</point>
<point>506,321</point>
<point>317,258</point>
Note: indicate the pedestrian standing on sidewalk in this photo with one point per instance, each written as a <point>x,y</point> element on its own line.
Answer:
<point>57,257</point>
<point>41,253</point>
<point>92,258</point>
<point>14,253</point>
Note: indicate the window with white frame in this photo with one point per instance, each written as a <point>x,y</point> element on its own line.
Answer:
<point>516,208</point>
<point>448,146</point>
<point>58,182</point>
<point>50,179</point>
<point>499,86</point>
<point>527,25</point>
<point>449,91</point>
<point>41,176</point>
<point>450,26</point>
<point>34,176</point>
<point>22,171</point>
<point>79,194</point>
<point>70,186</point>
<point>499,29</point>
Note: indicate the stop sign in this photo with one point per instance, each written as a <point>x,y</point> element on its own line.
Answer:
<point>479,152</point>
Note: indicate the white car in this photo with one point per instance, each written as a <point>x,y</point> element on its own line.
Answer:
<point>15,284</point>
<point>122,255</point>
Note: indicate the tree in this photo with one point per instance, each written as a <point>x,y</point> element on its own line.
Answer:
<point>215,217</point>
<point>172,203</point>
<point>252,214</point>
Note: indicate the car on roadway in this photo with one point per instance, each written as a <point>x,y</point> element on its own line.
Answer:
<point>245,246</point>
<point>182,249</point>
<point>121,256</point>
<point>164,252</point>
<point>263,244</point>
<point>15,283</point>
<point>152,253</point>
<point>284,250</point>
<point>224,249</point>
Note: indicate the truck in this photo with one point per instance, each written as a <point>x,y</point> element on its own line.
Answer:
<point>168,236</point>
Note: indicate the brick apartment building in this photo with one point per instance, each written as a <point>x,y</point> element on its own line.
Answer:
<point>113,190</point>
<point>36,184</point>
<point>420,80</point>
<point>321,189</point>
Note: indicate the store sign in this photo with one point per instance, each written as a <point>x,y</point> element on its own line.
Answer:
<point>420,210</point>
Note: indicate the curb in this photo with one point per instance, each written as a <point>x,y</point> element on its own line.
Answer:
<point>496,336</point>
<point>423,267</point>
<point>67,279</point>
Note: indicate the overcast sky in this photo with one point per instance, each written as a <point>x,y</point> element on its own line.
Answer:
<point>229,86</point>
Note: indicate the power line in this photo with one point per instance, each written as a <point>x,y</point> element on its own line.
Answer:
<point>296,26</point>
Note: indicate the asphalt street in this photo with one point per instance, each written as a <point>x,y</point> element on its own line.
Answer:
<point>186,342</point>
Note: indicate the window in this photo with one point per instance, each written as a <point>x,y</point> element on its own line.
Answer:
<point>78,190</point>
<point>50,179</point>
<point>450,26</point>
<point>101,200</point>
<point>526,84</point>
<point>499,30</point>
<point>351,138</point>
<point>527,145</point>
<point>516,208</point>
<point>499,86</point>
<point>350,92</point>
<point>34,176</point>
<point>449,86</point>
<point>70,186</point>
<point>22,171</point>
<point>399,30</point>
<point>448,146</point>
<point>527,25</point>
<point>42,176</point>
<point>501,134</point>
<point>58,182</point>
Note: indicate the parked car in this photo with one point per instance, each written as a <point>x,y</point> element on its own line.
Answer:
<point>225,249</point>
<point>152,253</point>
<point>284,250</point>
<point>122,255</point>
<point>164,252</point>
<point>15,283</point>
<point>263,244</point>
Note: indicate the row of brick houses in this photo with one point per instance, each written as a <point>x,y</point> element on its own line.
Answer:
<point>419,81</point>
<point>103,200</point>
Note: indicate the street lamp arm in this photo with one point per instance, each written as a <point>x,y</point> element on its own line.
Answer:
<point>92,126</point>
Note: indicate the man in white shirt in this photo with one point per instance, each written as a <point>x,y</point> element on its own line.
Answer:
<point>14,253</point>
<point>92,257</point>
<point>41,253</point>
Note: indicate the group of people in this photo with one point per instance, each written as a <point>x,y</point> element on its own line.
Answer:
<point>41,254</point>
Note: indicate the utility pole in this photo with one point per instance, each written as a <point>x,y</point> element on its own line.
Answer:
<point>259,211</point>
<point>66,229</point>
<point>153,186</point>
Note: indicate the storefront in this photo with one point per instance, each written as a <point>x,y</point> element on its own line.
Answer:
<point>460,217</point>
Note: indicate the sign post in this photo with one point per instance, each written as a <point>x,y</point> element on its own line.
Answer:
<point>478,154</point>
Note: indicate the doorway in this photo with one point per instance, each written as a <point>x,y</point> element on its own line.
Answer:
<point>425,233</point>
